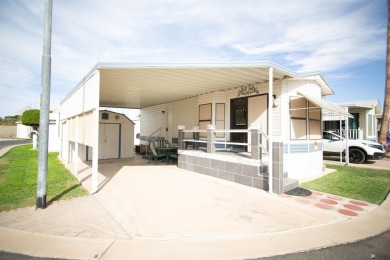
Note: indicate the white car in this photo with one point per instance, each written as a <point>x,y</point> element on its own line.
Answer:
<point>359,150</point>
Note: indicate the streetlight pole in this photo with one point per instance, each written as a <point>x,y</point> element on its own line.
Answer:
<point>45,106</point>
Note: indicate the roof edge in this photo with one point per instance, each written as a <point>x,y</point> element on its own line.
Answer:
<point>78,86</point>
<point>259,64</point>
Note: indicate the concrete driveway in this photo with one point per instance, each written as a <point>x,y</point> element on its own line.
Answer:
<point>162,212</point>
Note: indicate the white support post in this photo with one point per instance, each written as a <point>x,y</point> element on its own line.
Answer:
<point>346,139</point>
<point>76,148</point>
<point>270,128</point>
<point>341,140</point>
<point>95,149</point>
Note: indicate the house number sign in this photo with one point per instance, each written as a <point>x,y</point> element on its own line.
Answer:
<point>247,90</point>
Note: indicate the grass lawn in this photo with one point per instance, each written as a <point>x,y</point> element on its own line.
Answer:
<point>356,183</point>
<point>18,179</point>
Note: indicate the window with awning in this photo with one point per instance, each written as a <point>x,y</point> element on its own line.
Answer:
<point>305,119</point>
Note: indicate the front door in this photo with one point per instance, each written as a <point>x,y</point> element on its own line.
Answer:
<point>239,120</point>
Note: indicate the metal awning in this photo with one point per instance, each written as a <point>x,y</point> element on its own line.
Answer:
<point>139,86</point>
<point>327,107</point>
<point>129,85</point>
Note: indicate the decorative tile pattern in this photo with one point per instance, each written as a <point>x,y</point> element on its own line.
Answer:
<point>337,204</point>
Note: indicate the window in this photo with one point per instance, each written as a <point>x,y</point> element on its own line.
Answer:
<point>353,123</point>
<point>298,115</point>
<point>370,125</point>
<point>305,119</point>
<point>314,121</point>
<point>220,118</point>
<point>205,116</point>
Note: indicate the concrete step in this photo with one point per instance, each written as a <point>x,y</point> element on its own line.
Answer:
<point>289,184</point>
<point>264,171</point>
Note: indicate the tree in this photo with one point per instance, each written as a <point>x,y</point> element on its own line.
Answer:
<point>31,117</point>
<point>386,104</point>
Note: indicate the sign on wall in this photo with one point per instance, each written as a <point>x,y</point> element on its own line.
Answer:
<point>247,90</point>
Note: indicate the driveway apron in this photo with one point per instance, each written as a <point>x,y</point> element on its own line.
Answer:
<point>165,202</point>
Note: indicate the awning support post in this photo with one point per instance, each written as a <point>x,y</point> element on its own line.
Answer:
<point>270,129</point>
<point>346,140</point>
<point>95,153</point>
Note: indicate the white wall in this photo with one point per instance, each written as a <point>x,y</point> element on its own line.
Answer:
<point>54,132</point>
<point>82,100</point>
<point>23,131</point>
<point>185,112</point>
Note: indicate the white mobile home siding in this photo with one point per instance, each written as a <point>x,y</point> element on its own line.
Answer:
<point>299,152</point>
<point>82,100</point>
<point>184,112</point>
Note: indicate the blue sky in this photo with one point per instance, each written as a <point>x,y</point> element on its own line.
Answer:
<point>344,40</point>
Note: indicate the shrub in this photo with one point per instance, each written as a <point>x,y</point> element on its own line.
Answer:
<point>31,117</point>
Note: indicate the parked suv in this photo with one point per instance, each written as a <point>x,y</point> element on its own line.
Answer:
<point>359,150</point>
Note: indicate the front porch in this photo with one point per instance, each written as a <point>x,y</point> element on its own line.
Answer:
<point>217,158</point>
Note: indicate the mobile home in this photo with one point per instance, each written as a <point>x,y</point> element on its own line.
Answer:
<point>257,123</point>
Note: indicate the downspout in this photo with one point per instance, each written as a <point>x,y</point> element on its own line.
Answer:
<point>270,128</point>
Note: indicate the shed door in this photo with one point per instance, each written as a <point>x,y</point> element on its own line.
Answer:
<point>109,140</point>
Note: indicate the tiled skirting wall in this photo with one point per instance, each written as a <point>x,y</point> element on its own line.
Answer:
<point>239,169</point>
<point>231,168</point>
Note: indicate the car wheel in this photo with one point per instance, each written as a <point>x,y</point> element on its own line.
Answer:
<point>356,156</point>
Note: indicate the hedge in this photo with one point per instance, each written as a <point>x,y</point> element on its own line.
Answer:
<point>31,117</point>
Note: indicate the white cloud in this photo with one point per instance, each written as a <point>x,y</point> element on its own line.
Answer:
<point>300,34</point>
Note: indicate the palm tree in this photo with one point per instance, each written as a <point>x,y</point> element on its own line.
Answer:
<point>386,106</point>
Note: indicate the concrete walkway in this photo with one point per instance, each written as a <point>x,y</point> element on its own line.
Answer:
<point>162,212</point>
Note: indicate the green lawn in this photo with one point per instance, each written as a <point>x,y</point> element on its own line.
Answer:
<point>356,183</point>
<point>18,179</point>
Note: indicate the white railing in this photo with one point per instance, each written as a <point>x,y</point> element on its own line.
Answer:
<point>356,134</point>
<point>224,141</point>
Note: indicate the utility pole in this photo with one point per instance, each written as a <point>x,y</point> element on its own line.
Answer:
<point>45,106</point>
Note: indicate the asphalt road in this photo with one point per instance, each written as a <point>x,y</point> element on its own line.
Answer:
<point>377,247</point>
<point>9,142</point>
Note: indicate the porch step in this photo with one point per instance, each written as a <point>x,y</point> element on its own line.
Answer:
<point>264,170</point>
<point>289,184</point>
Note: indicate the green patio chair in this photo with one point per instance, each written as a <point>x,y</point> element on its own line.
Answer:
<point>155,155</point>
<point>174,156</point>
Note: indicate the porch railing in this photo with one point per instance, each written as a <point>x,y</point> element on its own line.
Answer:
<point>356,134</point>
<point>256,143</point>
